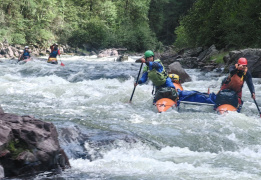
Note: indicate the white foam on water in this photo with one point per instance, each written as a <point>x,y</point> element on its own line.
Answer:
<point>192,145</point>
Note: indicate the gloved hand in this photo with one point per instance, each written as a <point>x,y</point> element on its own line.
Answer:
<point>253,96</point>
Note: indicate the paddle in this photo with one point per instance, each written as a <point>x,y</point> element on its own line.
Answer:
<point>257,108</point>
<point>61,61</point>
<point>136,83</point>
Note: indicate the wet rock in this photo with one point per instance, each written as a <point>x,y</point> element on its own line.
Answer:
<point>122,58</point>
<point>195,52</point>
<point>206,54</point>
<point>79,142</point>
<point>208,68</point>
<point>189,62</point>
<point>107,53</point>
<point>29,146</point>
<point>93,53</point>
<point>176,68</point>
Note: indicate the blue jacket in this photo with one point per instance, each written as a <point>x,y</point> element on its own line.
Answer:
<point>158,66</point>
<point>26,54</point>
<point>54,53</point>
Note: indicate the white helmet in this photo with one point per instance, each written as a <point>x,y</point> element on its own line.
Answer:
<point>26,47</point>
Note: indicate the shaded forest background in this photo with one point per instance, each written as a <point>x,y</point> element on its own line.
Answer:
<point>135,24</point>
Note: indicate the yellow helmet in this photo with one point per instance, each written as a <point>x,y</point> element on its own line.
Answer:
<point>174,78</point>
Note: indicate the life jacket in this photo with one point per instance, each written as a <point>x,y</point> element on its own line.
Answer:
<point>157,78</point>
<point>26,54</point>
<point>54,53</point>
<point>235,82</point>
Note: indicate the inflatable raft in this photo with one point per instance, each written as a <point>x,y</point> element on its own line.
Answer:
<point>52,60</point>
<point>222,102</point>
<point>167,102</point>
<point>24,61</point>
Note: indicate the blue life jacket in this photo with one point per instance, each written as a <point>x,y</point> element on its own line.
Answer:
<point>26,54</point>
<point>54,53</point>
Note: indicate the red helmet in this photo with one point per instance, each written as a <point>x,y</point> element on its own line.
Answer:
<point>242,61</point>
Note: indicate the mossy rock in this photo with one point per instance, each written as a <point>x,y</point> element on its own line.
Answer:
<point>17,146</point>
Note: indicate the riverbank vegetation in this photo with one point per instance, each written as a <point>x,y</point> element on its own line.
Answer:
<point>135,24</point>
<point>225,23</point>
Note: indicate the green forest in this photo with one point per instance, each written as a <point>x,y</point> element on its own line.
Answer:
<point>135,24</point>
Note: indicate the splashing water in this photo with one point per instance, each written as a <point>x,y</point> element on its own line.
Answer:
<point>94,93</point>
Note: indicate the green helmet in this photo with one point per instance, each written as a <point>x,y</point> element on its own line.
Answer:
<point>148,53</point>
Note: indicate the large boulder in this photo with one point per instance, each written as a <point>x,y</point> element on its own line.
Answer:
<point>29,146</point>
<point>176,68</point>
<point>82,142</point>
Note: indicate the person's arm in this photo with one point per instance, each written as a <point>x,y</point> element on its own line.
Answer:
<point>153,65</point>
<point>250,84</point>
<point>233,70</point>
<point>143,78</point>
<point>59,52</point>
<point>20,58</point>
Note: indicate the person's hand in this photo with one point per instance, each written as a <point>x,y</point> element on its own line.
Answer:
<point>135,84</point>
<point>240,67</point>
<point>253,96</point>
<point>143,60</point>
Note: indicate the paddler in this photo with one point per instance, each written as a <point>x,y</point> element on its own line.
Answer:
<point>174,78</point>
<point>54,52</point>
<point>238,74</point>
<point>155,71</point>
<point>25,55</point>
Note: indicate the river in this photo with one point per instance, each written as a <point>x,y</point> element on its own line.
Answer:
<point>194,143</point>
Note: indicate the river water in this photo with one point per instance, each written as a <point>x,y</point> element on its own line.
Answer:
<point>194,143</point>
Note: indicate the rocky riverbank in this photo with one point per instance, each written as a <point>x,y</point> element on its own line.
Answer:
<point>196,58</point>
<point>200,58</point>
<point>14,51</point>
<point>29,146</point>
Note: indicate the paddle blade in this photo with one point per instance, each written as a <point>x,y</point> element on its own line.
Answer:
<point>62,64</point>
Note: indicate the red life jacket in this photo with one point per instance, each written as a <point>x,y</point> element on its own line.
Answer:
<point>235,82</point>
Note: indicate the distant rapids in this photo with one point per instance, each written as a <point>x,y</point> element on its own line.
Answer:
<point>92,93</point>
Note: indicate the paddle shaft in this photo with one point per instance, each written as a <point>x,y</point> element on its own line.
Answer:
<point>61,61</point>
<point>136,82</point>
<point>257,107</point>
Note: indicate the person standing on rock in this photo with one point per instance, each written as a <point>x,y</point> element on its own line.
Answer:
<point>238,74</point>
<point>155,71</point>
<point>25,55</point>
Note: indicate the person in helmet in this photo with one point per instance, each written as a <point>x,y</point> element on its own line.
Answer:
<point>54,47</point>
<point>54,51</point>
<point>238,74</point>
<point>155,71</point>
<point>25,55</point>
<point>174,78</point>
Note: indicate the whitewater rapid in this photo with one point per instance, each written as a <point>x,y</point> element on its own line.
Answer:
<point>92,93</point>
